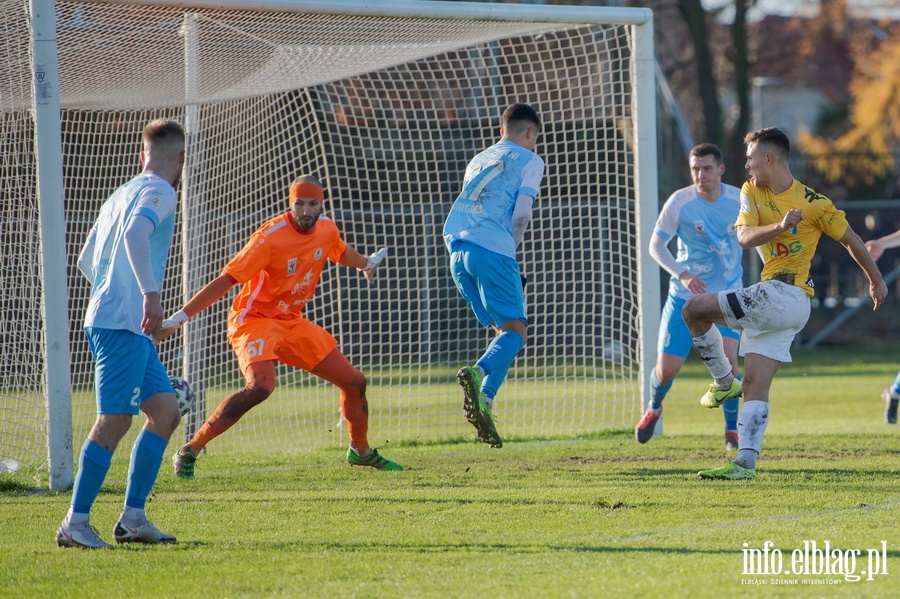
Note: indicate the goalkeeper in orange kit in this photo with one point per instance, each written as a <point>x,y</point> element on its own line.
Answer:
<point>278,269</point>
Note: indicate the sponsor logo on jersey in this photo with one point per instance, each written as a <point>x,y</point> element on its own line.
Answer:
<point>811,196</point>
<point>772,207</point>
<point>284,306</point>
<point>778,249</point>
<point>302,285</point>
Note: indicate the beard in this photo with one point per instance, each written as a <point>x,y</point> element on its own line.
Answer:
<point>307,222</point>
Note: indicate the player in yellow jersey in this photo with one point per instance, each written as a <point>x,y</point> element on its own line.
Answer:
<point>784,218</point>
<point>278,269</point>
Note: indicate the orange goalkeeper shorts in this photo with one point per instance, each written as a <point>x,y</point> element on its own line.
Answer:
<point>296,342</point>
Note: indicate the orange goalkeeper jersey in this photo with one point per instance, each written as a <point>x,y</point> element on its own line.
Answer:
<point>279,268</point>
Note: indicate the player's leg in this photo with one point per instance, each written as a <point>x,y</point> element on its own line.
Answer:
<point>260,380</point>
<point>891,397</point>
<point>500,354</point>
<point>759,371</point>
<point>254,345</point>
<point>117,382</point>
<point>337,370</point>
<point>775,313</point>
<point>673,346</point>
<point>700,314</point>
<point>754,418</point>
<point>492,285</point>
<point>730,408</point>
<point>308,346</point>
<point>661,378</point>
<point>161,409</point>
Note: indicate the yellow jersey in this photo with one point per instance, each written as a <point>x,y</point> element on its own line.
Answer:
<point>788,256</point>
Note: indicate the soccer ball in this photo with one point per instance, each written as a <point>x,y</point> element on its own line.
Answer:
<point>183,393</point>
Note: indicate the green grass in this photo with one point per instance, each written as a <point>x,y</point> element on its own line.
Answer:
<point>598,516</point>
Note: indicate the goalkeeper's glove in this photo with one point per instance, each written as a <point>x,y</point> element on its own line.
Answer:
<point>170,325</point>
<point>372,263</point>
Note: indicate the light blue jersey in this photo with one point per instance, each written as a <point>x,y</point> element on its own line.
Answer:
<point>116,299</point>
<point>483,212</point>
<point>707,241</point>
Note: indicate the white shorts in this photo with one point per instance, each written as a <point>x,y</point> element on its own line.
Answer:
<point>769,313</point>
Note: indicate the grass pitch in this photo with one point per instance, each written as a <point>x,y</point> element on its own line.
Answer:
<point>597,516</point>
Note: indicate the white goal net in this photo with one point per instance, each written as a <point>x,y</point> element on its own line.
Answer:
<point>386,109</point>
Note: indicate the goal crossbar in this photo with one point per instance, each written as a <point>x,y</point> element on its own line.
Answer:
<point>389,129</point>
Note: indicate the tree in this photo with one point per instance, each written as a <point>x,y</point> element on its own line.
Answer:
<point>695,16</point>
<point>864,151</point>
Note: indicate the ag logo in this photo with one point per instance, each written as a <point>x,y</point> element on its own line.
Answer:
<point>292,266</point>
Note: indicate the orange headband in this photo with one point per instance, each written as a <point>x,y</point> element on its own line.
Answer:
<point>306,191</point>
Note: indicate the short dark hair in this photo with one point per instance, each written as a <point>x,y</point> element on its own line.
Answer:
<point>520,113</point>
<point>163,131</point>
<point>163,138</point>
<point>707,149</point>
<point>773,137</point>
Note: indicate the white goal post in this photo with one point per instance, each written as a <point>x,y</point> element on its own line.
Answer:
<point>383,101</point>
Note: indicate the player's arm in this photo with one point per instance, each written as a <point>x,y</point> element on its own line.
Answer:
<point>353,259</point>
<point>367,264</point>
<point>137,247</point>
<point>751,236</point>
<point>659,251</point>
<point>521,216</point>
<point>876,247</point>
<point>857,249</point>
<point>86,257</point>
<point>203,299</point>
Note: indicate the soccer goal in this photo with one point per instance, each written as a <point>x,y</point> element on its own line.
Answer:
<point>383,101</point>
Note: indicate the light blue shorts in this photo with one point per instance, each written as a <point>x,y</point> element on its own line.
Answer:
<point>489,282</point>
<point>127,370</point>
<point>674,336</point>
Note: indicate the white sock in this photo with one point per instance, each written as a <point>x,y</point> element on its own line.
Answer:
<point>73,519</point>
<point>489,402</point>
<point>712,352</point>
<point>133,515</point>
<point>752,422</point>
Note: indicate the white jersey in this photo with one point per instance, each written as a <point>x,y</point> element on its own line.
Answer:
<point>707,240</point>
<point>482,214</point>
<point>116,299</point>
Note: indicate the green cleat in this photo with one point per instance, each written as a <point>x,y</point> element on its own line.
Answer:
<point>372,460</point>
<point>716,397</point>
<point>487,431</point>
<point>729,471</point>
<point>183,464</point>
<point>475,409</point>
